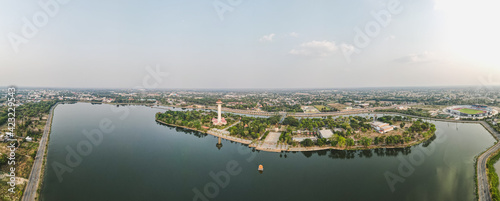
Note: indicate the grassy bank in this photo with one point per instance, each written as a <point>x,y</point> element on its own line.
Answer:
<point>493,177</point>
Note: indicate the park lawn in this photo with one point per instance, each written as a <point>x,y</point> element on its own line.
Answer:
<point>470,111</point>
<point>319,107</point>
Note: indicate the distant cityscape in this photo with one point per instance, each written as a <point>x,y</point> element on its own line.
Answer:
<point>296,101</point>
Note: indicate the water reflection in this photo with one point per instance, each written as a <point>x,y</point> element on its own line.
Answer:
<point>429,141</point>
<point>185,130</point>
<point>351,154</point>
<point>219,144</point>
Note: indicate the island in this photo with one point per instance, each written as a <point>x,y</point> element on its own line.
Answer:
<point>288,133</point>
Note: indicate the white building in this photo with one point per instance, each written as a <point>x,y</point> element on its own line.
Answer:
<point>325,133</point>
<point>381,127</point>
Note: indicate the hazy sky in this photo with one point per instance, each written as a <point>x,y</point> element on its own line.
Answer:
<point>249,43</point>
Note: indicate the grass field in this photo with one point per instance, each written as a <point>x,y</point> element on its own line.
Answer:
<point>319,107</point>
<point>337,106</point>
<point>470,111</point>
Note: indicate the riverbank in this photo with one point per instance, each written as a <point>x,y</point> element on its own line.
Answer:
<point>32,189</point>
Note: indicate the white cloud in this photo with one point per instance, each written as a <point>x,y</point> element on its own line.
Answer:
<point>347,47</point>
<point>417,58</point>
<point>294,34</point>
<point>267,38</point>
<point>316,48</point>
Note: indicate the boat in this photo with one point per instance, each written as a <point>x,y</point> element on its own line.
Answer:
<point>261,168</point>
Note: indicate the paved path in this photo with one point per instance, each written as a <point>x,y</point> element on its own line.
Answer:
<point>32,186</point>
<point>271,142</point>
<point>231,125</point>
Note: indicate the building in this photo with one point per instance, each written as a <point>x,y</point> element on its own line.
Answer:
<point>470,111</point>
<point>220,120</point>
<point>325,133</point>
<point>402,108</point>
<point>386,129</point>
<point>309,109</point>
<point>381,127</point>
<point>364,104</point>
<point>28,139</point>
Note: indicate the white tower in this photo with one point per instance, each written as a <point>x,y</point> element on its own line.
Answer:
<point>219,106</point>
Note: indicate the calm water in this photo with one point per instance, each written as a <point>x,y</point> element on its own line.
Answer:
<point>142,160</point>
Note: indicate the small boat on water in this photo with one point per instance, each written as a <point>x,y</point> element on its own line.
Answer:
<point>261,168</point>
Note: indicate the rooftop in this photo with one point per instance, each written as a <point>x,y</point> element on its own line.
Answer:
<point>327,133</point>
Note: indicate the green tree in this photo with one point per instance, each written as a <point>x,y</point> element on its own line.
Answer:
<point>341,141</point>
<point>349,142</point>
<point>365,141</point>
<point>307,142</point>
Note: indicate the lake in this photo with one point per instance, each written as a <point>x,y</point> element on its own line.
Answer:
<point>129,156</point>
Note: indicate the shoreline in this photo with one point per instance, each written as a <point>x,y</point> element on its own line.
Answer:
<point>33,186</point>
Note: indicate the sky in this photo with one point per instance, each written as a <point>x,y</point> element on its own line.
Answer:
<point>249,43</point>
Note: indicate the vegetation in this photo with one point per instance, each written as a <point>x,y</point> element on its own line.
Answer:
<point>30,118</point>
<point>348,131</point>
<point>307,143</point>
<point>192,118</point>
<point>29,122</point>
<point>325,108</point>
<point>3,115</point>
<point>365,141</point>
<point>493,177</point>
<point>280,108</point>
<point>248,128</point>
<point>265,135</point>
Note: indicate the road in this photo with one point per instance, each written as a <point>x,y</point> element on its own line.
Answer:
<point>482,177</point>
<point>32,186</point>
